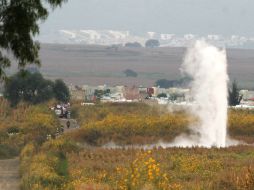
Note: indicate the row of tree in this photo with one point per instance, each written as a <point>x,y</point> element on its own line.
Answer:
<point>33,88</point>
<point>151,43</point>
<point>182,82</point>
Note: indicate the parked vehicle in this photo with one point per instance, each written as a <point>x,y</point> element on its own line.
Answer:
<point>62,111</point>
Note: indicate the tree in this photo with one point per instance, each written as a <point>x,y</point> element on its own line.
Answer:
<point>61,91</point>
<point>152,43</point>
<point>182,82</point>
<point>130,73</point>
<point>133,45</point>
<point>18,25</point>
<point>98,94</point>
<point>28,87</point>
<point>162,95</point>
<point>233,95</point>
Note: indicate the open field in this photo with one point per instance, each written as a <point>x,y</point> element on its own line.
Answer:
<point>188,169</point>
<point>100,64</point>
<point>138,123</point>
<point>76,160</point>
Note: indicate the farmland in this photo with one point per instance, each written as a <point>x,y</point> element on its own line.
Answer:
<point>96,65</point>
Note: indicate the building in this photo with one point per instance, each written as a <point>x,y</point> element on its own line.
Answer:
<point>131,93</point>
<point>89,92</point>
<point>247,97</point>
<point>77,93</point>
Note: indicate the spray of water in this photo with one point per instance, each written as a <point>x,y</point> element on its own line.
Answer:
<point>207,65</point>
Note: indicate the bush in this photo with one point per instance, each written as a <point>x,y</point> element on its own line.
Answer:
<point>60,146</point>
<point>162,95</point>
<point>152,43</point>
<point>132,129</point>
<point>130,73</point>
<point>7,151</point>
<point>133,45</point>
<point>46,167</point>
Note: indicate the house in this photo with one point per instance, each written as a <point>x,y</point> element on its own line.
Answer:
<point>131,93</point>
<point>150,91</point>
<point>77,93</point>
<point>89,92</point>
<point>179,94</point>
<point>143,94</point>
<point>246,94</point>
<point>247,97</point>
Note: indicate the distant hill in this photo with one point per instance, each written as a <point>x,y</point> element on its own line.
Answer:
<point>110,37</point>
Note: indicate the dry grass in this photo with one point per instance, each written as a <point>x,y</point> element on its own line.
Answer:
<point>61,164</point>
<point>138,123</point>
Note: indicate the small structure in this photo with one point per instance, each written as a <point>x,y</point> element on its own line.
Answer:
<point>131,93</point>
<point>247,98</point>
<point>77,93</point>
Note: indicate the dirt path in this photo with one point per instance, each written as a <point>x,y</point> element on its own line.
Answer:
<point>73,124</point>
<point>9,174</point>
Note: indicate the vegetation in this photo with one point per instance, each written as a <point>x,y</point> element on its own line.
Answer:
<point>167,169</point>
<point>130,73</point>
<point>162,169</point>
<point>24,124</point>
<point>126,124</point>
<point>61,91</point>
<point>46,167</point>
<point>162,95</point>
<point>99,93</point>
<point>67,163</point>
<point>152,43</point>
<point>164,83</point>
<point>19,24</point>
<point>233,95</point>
<point>133,45</point>
<point>29,87</point>
<point>33,88</point>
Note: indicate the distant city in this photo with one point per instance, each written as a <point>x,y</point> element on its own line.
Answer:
<point>112,37</point>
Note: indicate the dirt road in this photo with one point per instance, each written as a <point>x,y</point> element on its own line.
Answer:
<point>9,174</point>
<point>73,124</point>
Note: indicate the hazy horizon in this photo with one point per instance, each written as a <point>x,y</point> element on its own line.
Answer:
<point>202,17</point>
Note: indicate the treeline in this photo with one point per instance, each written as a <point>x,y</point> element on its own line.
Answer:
<point>164,83</point>
<point>33,88</point>
<point>151,43</point>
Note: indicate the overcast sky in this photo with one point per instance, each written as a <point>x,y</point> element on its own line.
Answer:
<point>201,17</point>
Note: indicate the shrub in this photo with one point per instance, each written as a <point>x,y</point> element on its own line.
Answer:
<point>7,151</point>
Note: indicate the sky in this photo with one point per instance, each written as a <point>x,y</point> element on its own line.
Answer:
<point>202,17</point>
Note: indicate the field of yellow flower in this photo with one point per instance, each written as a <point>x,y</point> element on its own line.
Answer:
<point>76,161</point>
<point>127,124</point>
<point>24,124</point>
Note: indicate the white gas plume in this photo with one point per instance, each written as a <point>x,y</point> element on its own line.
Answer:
<point>207,65</point>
